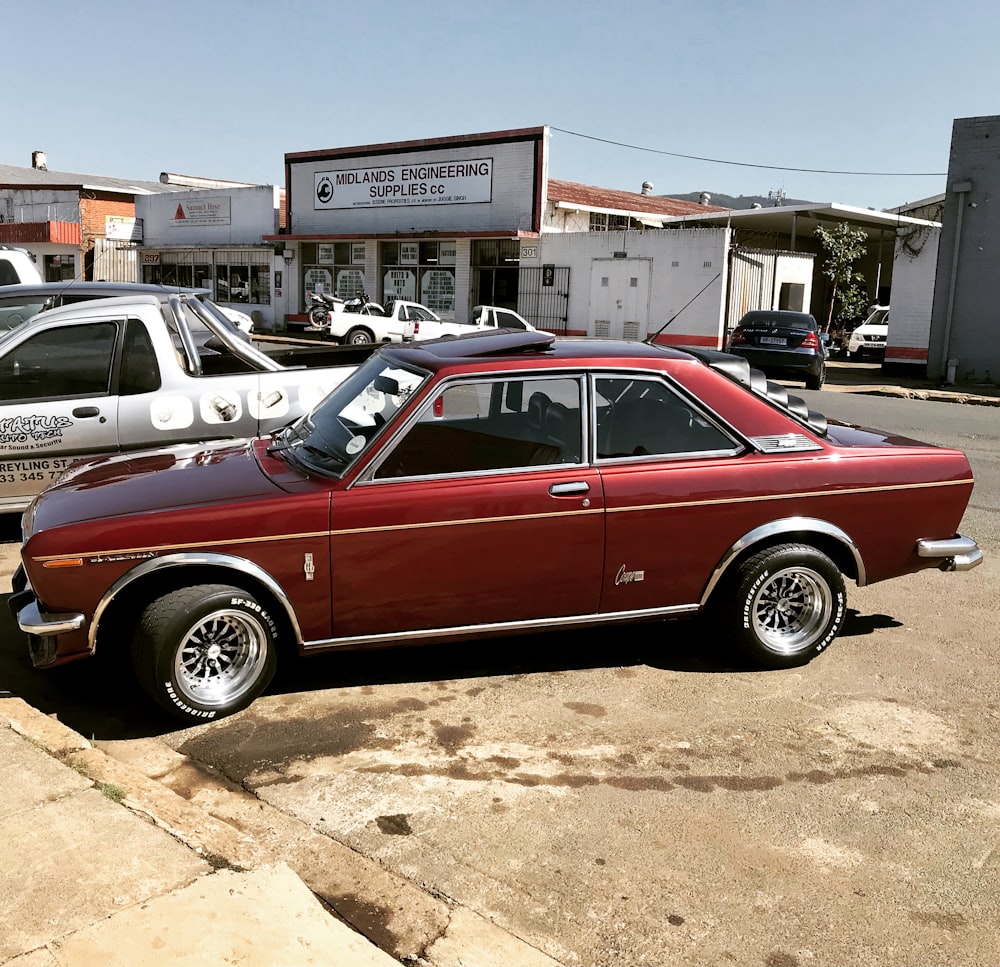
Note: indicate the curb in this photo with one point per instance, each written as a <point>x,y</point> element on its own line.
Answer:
<point>232,829</point>
<point>915,393</point>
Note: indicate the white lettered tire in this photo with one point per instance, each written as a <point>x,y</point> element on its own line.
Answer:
<point>205,652</point>
<point>785,605</point>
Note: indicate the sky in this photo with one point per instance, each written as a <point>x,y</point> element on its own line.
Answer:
<point>849,102</point>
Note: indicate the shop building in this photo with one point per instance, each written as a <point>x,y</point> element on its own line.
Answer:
<point>475,220</point>
<point>76,226</point>
<point>213,238</point>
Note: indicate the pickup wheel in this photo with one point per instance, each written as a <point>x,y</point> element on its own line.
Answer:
<point>359,336</point>
<point>784,605</point>
<point>205,652</point>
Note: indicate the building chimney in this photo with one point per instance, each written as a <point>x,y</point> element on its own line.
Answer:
<point>704,198</point>
<point>647,188</point>
<point>38,161</point>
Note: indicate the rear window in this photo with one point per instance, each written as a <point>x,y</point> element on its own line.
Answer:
<point>780,320</point>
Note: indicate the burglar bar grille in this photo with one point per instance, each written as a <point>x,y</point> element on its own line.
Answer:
<point>544,306</point>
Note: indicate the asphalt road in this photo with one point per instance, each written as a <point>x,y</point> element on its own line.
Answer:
<point>640,796</point>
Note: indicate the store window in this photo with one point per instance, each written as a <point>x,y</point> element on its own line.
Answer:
<point>421,272</point>
<point>337,267</point>
<point>60,268</point>
<point>231,275</point>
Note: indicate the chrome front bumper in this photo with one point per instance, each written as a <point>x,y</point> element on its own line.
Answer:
<point>954,554</point>
<point>32,621</point>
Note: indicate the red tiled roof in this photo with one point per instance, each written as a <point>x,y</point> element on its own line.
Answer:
<point>624,201</point>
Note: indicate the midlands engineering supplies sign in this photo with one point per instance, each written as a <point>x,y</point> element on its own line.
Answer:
<point>433,183</point>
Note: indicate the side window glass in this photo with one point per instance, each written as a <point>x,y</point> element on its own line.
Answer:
<point>492,425</point>
<point>641,417</point>
<point>64,362</point>
<point>140,369</point>
<point>506,320</point>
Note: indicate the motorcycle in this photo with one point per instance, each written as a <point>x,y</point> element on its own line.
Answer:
<point>322,305</point>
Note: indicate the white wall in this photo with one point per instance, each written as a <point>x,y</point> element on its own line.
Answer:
<point>913,271</point>
<point>682,263</point>
<point>243,216</point>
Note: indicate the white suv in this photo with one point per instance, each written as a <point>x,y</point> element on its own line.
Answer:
<point>869,338</point>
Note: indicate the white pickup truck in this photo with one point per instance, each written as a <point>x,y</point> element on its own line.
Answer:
<point>141,371</point>
<point>401,321</point>
<point>483,317</point>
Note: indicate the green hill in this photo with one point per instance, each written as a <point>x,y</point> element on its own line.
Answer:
<point>736,201</point>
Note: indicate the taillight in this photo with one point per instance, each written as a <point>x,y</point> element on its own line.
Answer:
<point>416,328</point>
<point>737,336</point>
<point>811,341</point>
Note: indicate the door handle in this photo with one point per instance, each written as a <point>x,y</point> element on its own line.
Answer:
<point>569,489</point>
<point>82,412</point>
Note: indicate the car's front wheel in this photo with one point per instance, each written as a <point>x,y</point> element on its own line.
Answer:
<point>785,605</point>
<point>205,652</point>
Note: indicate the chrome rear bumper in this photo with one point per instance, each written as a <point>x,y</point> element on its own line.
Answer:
<point>955,554</point>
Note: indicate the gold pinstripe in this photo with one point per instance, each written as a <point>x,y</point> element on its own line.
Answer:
<point>164,548</point>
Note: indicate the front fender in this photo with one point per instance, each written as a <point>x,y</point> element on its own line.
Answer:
<point>225,562</point>
<point>800,528</point>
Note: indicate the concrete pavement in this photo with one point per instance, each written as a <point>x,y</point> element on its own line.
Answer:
<point>147,859</point>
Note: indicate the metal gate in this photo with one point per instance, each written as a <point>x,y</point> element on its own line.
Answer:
<point>115,261</point>
<point>543,296</point>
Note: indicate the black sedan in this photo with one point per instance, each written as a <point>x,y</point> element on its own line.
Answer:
<point>782,343</point>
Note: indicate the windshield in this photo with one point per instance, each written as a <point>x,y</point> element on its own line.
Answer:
<point>12,316</point>
<point>338,431</point>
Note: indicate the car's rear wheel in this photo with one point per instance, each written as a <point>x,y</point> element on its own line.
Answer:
<point>786,604</point>
<point>205,652</point>
<point>359,337</point>
<point>817,381</point>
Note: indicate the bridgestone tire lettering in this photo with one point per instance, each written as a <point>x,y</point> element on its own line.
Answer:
<point>783,606</point>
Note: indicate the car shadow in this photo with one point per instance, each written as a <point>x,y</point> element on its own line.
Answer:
<point>100,699</point>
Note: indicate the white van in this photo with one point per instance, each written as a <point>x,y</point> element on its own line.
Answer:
<point>869,338</point>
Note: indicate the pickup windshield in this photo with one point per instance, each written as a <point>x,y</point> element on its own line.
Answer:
<point>336,433</point>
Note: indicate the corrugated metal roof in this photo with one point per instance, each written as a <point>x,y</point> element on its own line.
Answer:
<point>590,196</point>
<point>12,175</point>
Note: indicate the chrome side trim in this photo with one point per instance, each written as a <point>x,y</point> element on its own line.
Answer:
<point>34,622</point>
<point>775,528</point>
<point>186,560</point>
<point>501,627</point>
<point>957,553</point>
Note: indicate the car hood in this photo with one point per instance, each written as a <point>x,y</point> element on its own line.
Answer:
<point>150,480</point>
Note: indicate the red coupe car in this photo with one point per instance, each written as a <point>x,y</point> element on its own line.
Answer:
<point>486,485</point>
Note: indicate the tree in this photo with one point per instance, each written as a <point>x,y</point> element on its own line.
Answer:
<point>842,247</point>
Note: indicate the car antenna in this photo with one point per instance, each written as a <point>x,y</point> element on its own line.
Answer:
<point>649,339</point>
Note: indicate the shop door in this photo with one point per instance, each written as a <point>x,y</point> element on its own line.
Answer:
<point>496,287</point>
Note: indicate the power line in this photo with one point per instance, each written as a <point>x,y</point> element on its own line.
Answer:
<point>747,164</point>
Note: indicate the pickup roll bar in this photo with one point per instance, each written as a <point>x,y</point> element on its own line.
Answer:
<point>187,343</point>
